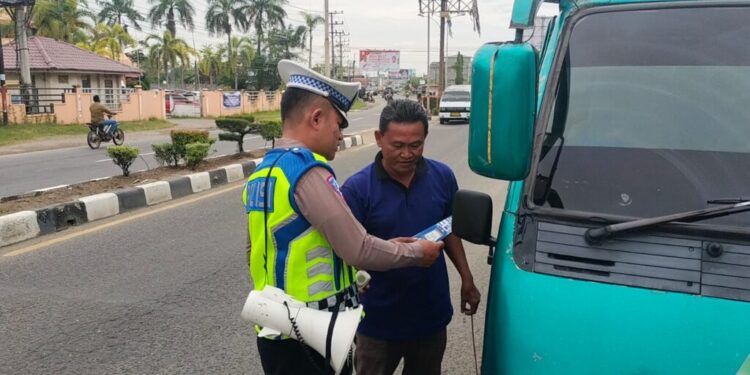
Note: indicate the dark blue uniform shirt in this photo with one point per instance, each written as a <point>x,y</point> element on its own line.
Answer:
<point>413,302</point>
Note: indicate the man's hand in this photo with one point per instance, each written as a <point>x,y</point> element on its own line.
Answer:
<point>430,251</point>
<point>470,298</point>
<point>403,239</point>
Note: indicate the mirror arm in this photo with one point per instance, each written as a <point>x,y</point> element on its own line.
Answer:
<point>491,242</point>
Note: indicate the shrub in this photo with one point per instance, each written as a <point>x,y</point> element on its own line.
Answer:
<point>195,153</point>
<point>181,138</point>
<point>270,131</point>
<point>123,157</point>
<point>245,116</point>
<point>236,127</point>
<point>165,154</point>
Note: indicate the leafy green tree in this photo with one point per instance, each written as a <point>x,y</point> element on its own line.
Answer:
<point>311,21</point>
<point>265,13</point>
<point>113,12</point>
<point>171,11</point>
<point>459,68</point>
<point>61,19</point>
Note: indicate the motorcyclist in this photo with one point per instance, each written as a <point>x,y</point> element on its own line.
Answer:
<point>98,110</point>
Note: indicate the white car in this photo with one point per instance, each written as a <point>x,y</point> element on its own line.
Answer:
<point>455,104</point>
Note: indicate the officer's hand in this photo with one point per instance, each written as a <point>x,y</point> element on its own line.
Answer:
<point>430,251</point>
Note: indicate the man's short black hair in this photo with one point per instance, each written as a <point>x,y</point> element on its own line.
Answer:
<point>96,99</point>
<point>402,110</point>
<point>295,99</point>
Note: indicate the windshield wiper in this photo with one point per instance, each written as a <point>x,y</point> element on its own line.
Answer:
<point>595,236</point>
<point>727,200</point>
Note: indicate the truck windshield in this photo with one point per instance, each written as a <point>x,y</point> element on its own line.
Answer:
<point>652,114</point>
<point>456,96</point>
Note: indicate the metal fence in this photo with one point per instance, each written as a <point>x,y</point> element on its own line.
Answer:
<point>112,98</point>
<point>38,100</point>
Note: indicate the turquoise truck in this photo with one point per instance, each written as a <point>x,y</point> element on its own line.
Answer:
<point>624,242</point>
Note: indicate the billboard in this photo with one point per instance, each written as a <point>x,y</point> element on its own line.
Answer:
<point>379,60</point>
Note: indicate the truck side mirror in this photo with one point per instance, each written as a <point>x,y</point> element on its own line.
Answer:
<point>472,217</point>
<point>503,108</point>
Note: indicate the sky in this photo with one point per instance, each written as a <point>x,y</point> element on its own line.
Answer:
<point>374,24</point>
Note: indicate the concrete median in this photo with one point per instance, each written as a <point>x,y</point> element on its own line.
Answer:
<point>24,225</point>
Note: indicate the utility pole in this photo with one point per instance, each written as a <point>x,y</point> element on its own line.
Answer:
<point>327,44</point>
<point>22,45</point>
<point>443,16</point>
<point>333,24</point>
<point>447,9</point>
<point>197,76</point>
<point>340,45</point>
<point>3,90</point>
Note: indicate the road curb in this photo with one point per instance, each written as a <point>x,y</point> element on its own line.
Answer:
<point>28,224</point>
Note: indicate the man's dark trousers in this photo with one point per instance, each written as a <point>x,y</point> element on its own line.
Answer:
<point>421,356</point>
<point>290,357</point>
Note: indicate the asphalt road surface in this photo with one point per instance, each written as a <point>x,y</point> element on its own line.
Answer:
<point>159,290</point>
<point>29,171</point>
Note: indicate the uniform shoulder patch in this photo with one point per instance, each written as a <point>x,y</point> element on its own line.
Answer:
<point>255,194</point>
<point>334,185</point>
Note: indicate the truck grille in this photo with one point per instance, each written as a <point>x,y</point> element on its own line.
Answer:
<point>654,262</point>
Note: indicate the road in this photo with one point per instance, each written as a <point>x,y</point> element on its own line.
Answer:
<point>43,169</point>
<point>159,290</point>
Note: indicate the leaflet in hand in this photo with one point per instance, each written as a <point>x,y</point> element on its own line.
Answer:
<point>438,231</point>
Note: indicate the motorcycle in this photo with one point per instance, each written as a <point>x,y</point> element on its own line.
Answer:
<point>101,133</point>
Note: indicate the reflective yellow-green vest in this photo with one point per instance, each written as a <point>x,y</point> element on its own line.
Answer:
<point>286,251</point>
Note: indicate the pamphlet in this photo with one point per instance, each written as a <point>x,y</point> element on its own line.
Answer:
<point>438,231</point>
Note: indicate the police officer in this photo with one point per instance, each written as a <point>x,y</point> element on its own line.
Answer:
<point>303,237</point>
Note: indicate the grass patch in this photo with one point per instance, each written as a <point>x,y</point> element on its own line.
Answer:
<point>276,115</point>
<point>359,104</point>
<point>20,133</point>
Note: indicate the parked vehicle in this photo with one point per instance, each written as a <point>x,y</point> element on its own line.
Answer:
<point>624,242</point>
<point>98,134</point>
<point>455,104</point>
<point>173,99</point>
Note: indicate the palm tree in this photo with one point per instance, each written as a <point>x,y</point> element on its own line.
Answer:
<point>286,39</point>
<point>107,41</point>
<point>221,15</point>
<point>209,63</point>
<point>114,38</point>
<point>60,19</point>
<point>166,9</point>
<point>113,11</point>
<point>242,56</point>
<point>167,50</point>
<point>311,21</point>
<point>262,13</point>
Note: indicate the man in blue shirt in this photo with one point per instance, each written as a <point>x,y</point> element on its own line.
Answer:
<point>400,194</point>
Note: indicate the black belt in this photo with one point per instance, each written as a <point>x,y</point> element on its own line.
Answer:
<point>347,298</point>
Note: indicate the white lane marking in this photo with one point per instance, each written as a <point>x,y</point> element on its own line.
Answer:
<point>358,118</point>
